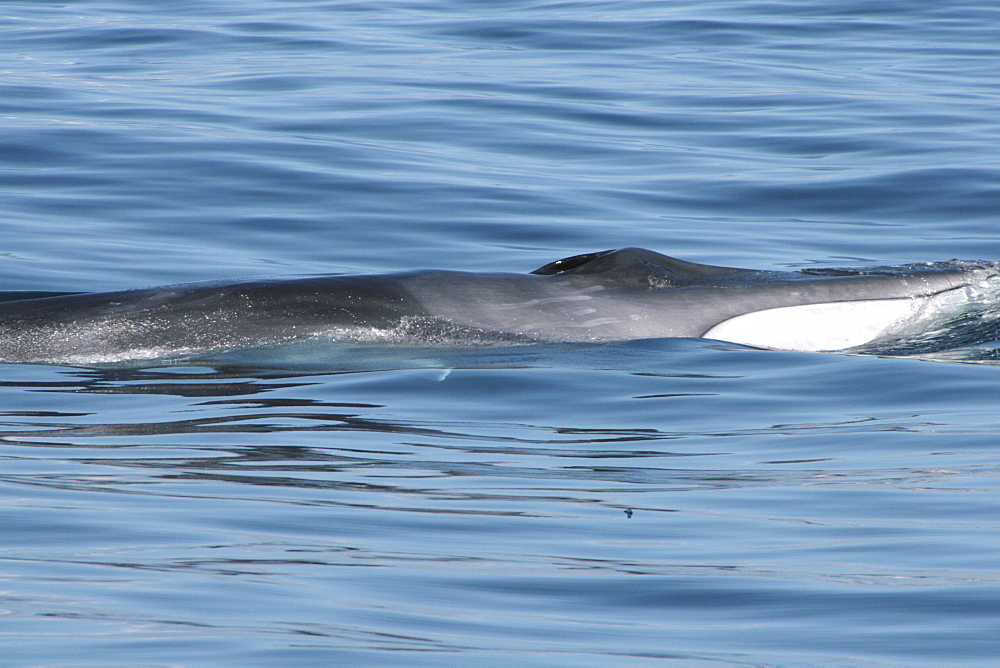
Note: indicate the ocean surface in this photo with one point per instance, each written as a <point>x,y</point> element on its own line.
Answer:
<point>669,501</point>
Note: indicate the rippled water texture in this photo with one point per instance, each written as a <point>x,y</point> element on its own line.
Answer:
<point>669,501</point>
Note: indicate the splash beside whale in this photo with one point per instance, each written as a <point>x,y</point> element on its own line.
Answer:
<point>597,297</point>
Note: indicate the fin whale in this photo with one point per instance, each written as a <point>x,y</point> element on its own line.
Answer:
<point>613,295</point>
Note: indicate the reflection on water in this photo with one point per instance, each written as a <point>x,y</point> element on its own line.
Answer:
<point>222,426</point>
<point>666,490</point>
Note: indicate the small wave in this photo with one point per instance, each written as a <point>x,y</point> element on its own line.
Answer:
<point>959,325</point>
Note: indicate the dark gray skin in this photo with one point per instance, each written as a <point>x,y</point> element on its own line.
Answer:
<point>609,296</point>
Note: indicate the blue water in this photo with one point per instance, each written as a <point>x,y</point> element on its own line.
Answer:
<point>787,509</point>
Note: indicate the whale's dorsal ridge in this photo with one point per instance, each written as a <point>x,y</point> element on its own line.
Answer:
<point>570,263</point>
<point>635,266</point>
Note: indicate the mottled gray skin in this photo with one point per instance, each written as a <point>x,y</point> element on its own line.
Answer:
<point>613,295</point>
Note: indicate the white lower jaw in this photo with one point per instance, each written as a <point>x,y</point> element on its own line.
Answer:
<point>818,327</point>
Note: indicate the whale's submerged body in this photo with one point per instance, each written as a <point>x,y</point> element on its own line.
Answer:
<point>599,297</point>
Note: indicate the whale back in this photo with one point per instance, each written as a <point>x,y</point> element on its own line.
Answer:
<point>611,295</point>
<point>637,267</point>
